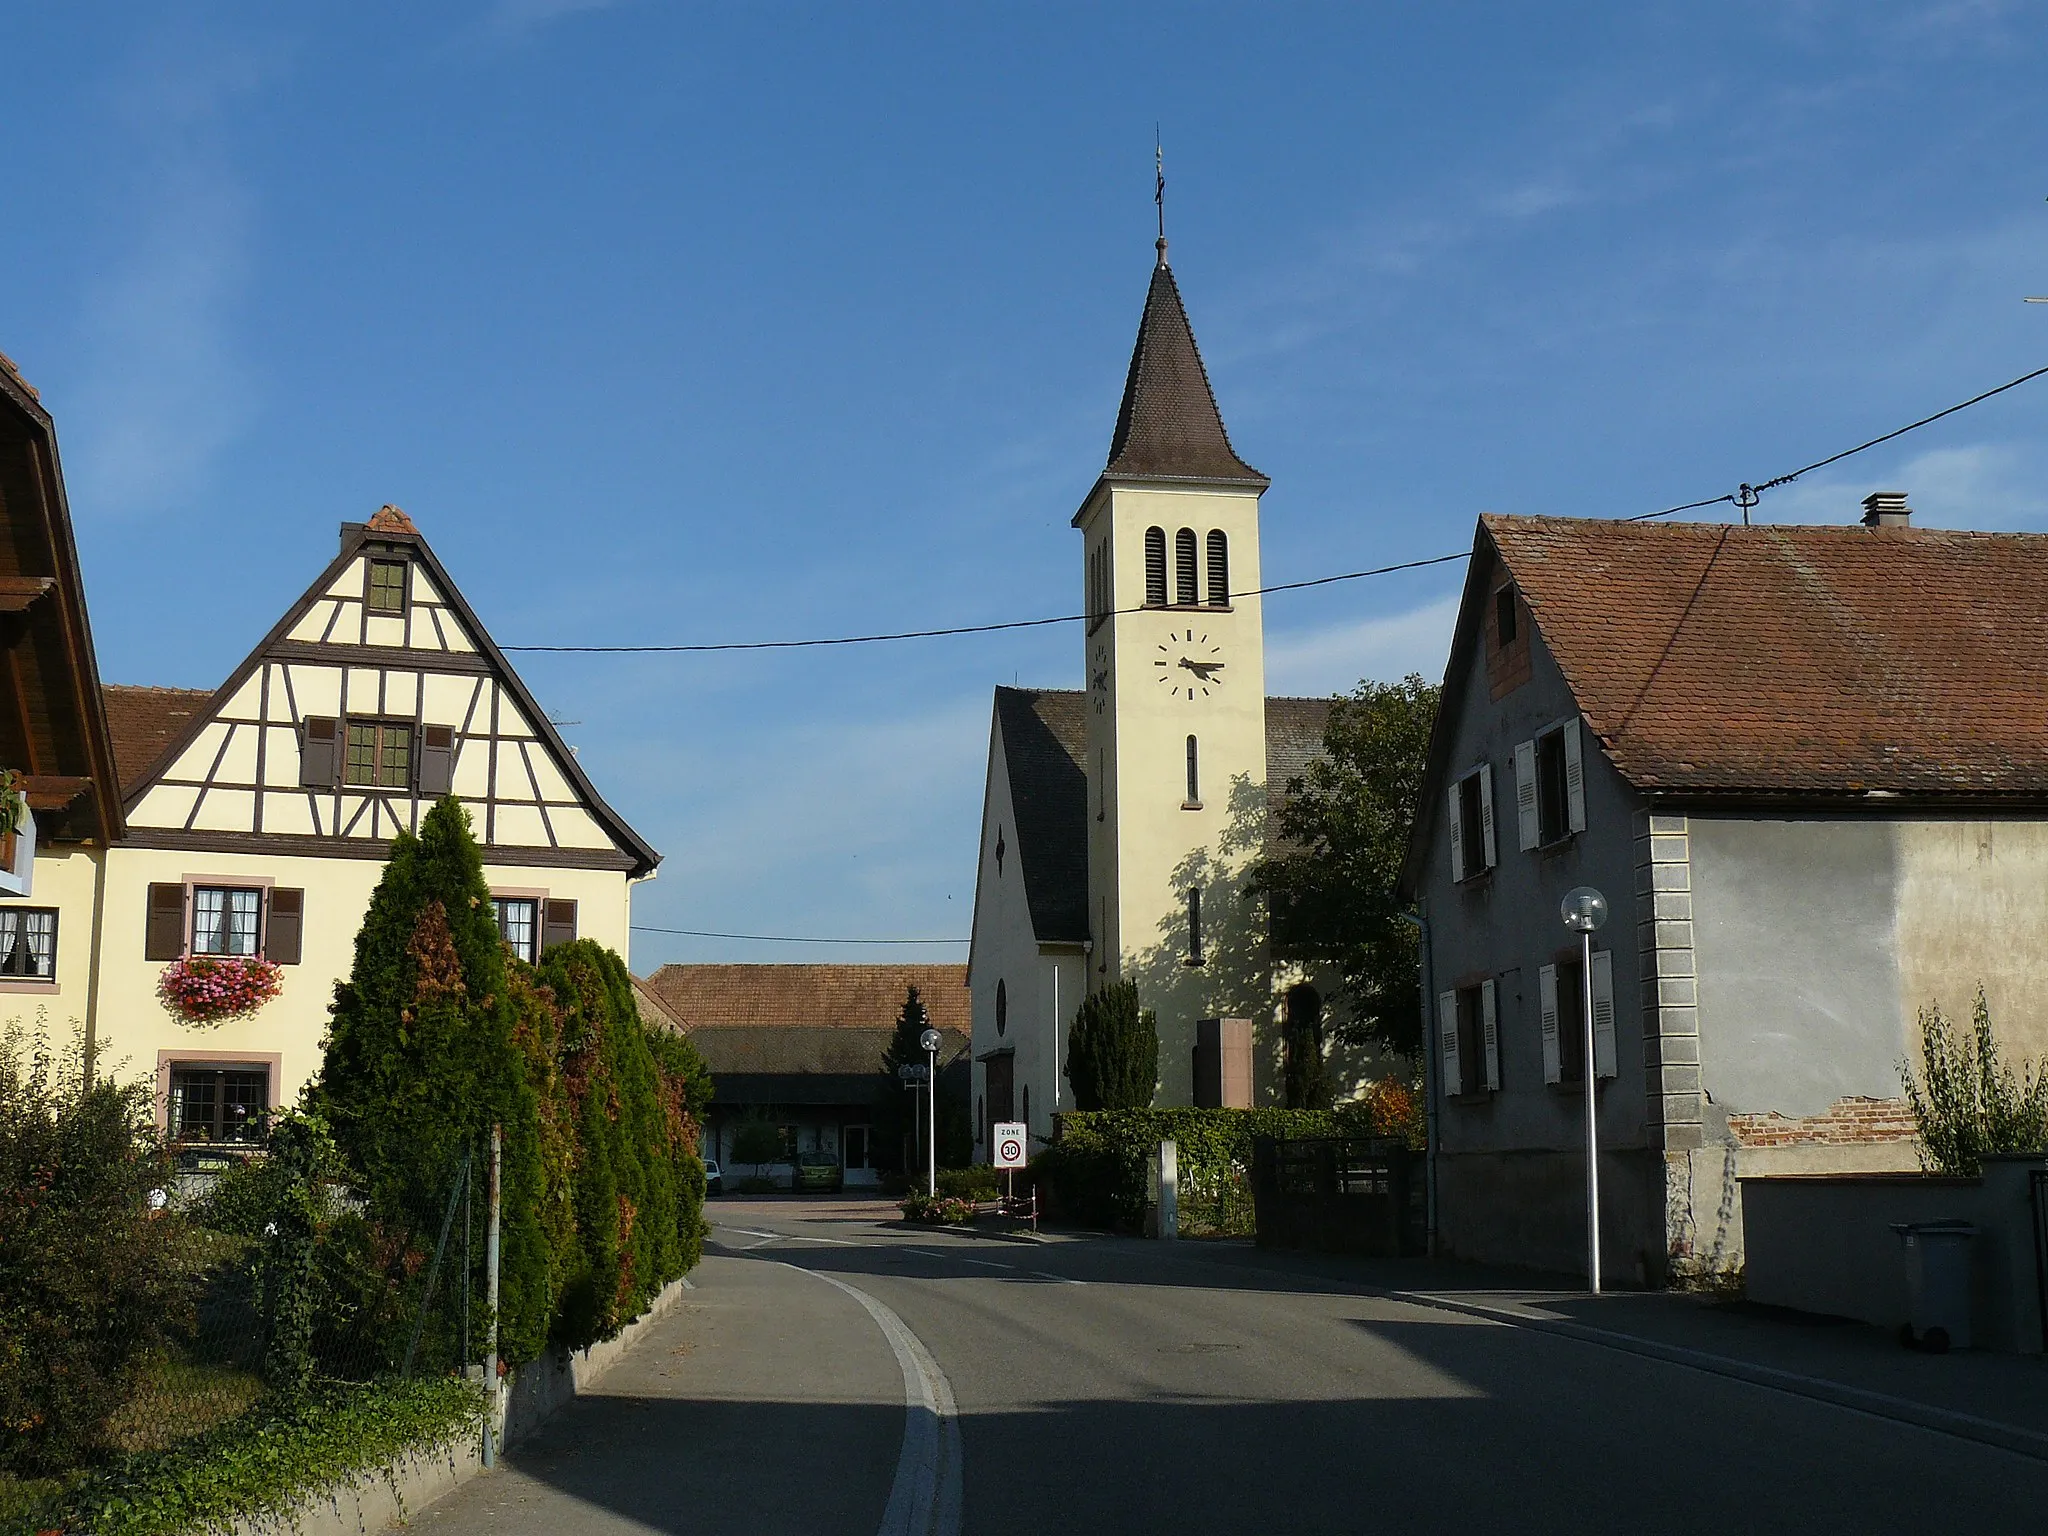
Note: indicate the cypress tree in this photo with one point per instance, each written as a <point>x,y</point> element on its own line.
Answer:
<point>895,1115</point>
<point>1113,1050</point>
<point>421,1062</point>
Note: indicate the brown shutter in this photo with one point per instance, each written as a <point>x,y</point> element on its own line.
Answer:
<point>284,939</point>
<point>437,759</point>
<point>558,923</point>
<point>319,752</point>
<point>165,937</point>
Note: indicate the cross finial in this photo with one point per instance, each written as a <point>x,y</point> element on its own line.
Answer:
<point>1159,188</point>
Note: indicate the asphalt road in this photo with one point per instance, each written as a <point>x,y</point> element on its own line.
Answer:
<point>833,1372</point>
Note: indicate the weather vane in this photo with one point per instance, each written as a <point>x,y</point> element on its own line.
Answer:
<point>1159,188</point>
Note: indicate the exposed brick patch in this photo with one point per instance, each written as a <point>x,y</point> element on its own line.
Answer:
<point>1847,1121</point>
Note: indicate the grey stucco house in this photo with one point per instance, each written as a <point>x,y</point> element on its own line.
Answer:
<point>1808,766</point>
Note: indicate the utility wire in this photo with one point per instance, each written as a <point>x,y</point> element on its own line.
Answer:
<point>782,938</point>
<point>1744,497</point>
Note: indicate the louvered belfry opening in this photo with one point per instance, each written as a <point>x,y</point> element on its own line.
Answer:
<point>1155,567</point>
<point>1219,569</point>
<point>1185,579</point>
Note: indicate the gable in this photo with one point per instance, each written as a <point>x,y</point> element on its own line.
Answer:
<point>383,667</point>
<point>1044,742</point>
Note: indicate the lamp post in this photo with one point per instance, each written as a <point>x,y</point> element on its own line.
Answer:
<point>1583,910</point>
<point>930,1041</point>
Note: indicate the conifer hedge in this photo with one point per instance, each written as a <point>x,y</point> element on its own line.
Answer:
<point>439,1033</point>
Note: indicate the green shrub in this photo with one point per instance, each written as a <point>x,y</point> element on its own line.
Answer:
<point>1113,1050</point>
<point>756,1142</point>
<point>94,1284</point>
<point>1098,1165</point>
<point>976,1183</point>
<point>1967,1102</point>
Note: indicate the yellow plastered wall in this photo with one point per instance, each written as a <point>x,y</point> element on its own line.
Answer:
<point>1148,846</point>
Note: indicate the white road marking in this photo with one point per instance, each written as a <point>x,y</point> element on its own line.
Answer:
<point>1046,1274</point>
<point>924,1499</point>
<point>789,1237</point>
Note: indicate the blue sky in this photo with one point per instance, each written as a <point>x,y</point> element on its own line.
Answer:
<point>680,323</point>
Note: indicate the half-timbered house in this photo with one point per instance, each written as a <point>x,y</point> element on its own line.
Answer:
<point>259,817</point>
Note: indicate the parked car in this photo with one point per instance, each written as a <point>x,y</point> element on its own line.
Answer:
<point>819,1170</point>
<point>714,1182</point>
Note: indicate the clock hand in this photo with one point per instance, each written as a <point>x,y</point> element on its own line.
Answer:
<point>1205,670</point>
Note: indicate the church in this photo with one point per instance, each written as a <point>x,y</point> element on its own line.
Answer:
<point>1119,819</point>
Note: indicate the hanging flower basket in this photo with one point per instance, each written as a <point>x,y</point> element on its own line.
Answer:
<point>211,989</point>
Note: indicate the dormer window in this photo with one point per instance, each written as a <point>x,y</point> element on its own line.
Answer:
<point>387,586</point>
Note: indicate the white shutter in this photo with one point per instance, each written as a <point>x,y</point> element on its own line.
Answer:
<point>1447,1034</point>
<point>1489,1017</point>
<point>1603,1014</point>
<point>1574,778</point>
<point>1488,848</point>
<point>1546,990</point>
<point>1525,793</point>
<point>1457,834</point>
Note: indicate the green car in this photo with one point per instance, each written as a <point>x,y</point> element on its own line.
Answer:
<point>818,1170</point>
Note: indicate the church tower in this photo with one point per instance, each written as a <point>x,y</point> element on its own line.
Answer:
<point>1176,691</point>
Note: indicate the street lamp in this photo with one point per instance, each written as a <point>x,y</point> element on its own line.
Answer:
<point>930,1041</point>
<point>1583,910</point>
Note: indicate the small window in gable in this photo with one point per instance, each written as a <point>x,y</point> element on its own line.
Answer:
<point>379,754</point>
<point>1002,1006</point>
<point>1505,623</point>
<point>387,586</point>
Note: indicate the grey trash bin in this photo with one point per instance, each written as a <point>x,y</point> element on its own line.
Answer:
<point>1937,1282</point>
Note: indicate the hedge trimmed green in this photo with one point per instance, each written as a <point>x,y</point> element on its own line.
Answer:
<point>263,1462</point>
<point>1098,1163</point>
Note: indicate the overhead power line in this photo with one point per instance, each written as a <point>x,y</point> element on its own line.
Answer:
<point>1745,496</point>
<point>782,938</point>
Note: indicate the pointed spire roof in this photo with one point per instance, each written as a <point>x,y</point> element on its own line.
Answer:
<point>1168,427</point>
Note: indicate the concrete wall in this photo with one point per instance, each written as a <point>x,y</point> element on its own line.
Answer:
<point>1825,1245</point>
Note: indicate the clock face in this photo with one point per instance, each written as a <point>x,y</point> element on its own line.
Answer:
<point>1189,665</point>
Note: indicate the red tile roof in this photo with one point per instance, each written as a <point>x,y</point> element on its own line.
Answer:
<point>840,996</point>
<point>144,722</point>
<point>1709,657</point>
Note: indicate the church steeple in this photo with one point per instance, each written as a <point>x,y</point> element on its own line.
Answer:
<point>1168,427</point>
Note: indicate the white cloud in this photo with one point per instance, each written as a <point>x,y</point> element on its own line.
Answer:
<point>1976,485</point>
<point>1333,659</point>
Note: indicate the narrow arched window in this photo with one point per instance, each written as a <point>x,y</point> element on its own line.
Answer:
<point>1155,567</point>
<point>1194,775</point>
<point>1219,569</point>
<point>1185,580</point>
<point>1002,1006</point>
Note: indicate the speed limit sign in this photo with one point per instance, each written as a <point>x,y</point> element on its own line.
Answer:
<point>1011,1137</point>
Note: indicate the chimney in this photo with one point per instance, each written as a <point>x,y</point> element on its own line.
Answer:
<point>1886,509</point>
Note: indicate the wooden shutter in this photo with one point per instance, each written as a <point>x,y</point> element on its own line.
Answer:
<point>283,936</point>
<point>164,938</point>
<point>1546,991</point>
<point>1488,848</point>
<point>1574,778</point>
<point>558,923</point>
<point>1155,567</point>
<point>319,752</point>
<point>1603,1013</point>
<point>1447,1033</point>
<point>437,759</point>
<point>1489,1035</point>
<point>1457,831</point>
<point>1525,794</point>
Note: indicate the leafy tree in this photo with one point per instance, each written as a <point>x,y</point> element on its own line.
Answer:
<point>1968,1103</point>
<point>422,1061</point>
<point>93,1281</point>
<point>756,1140</point>
<point>1304,1073</point>
<point>1343,835</point>
<point>1113,1050</point>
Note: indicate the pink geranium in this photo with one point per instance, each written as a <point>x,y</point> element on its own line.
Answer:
<point>210,989</point>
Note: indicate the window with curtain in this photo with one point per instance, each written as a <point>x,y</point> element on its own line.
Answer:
<point>517,919</point>
<point>28,942</point>
<point>225,920</point>
<point>1219,569</point>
